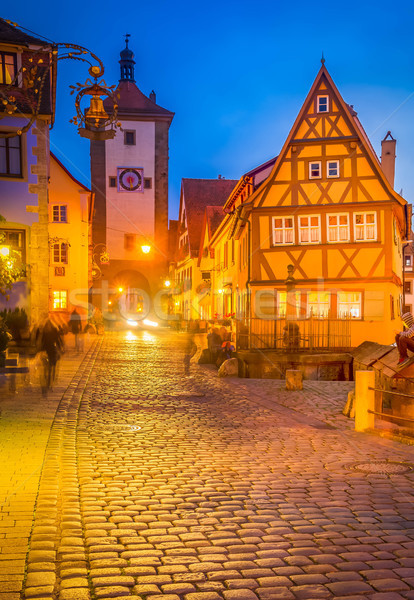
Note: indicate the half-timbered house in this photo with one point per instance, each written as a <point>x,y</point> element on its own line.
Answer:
<point>321,238</point>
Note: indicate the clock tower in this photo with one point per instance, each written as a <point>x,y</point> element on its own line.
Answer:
<point>129,177</point>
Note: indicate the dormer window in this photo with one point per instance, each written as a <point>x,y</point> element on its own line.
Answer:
<point>322,104</point>
<point>8,68</point>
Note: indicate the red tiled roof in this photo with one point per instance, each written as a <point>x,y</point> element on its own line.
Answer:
<point>214,216</point>
<point>197,194</point>
<point>133,101</point>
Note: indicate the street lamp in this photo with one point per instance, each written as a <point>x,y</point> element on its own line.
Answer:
<point>5,251</point>
<point>26,89</point>
<point>146,249</point>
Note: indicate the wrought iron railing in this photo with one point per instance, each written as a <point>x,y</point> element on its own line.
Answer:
<point>311,334</point>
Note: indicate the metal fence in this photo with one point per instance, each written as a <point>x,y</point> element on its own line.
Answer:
<point>309,334</point>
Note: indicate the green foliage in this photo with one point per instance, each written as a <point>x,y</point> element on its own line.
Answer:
<point>11,269</point>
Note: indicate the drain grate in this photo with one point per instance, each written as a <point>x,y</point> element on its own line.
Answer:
<point>382,467</point>
<point>119,427</point>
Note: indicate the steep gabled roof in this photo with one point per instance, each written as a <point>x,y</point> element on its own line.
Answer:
<point>196,195</point>
<point>255,177</point>
<point>133,102</point>
<point>353,122</point>
<point>213,216</point>
<point>10,33</point>
<point>62,166</point>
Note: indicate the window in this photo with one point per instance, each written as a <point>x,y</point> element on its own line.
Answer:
<point>148,183</point>
<point>8,68</point>
<point>409,260</point>
<point>60,298</point>
<point>112,182</point>
<point>322,104</point>
<point>315,170</point>
<point>338,228</point>
<point>60,253</point>
<point>365,226</point>
<point>309,230</point>
<point>293,305</point>
<point>332,168</point>
<point>129,241</point>
<point>11,156</point>
<point>129,138</point>
<point>60,213</point>
<point>349,305</point>
<point>407,287</point>
<point>14,239</point>
<point>319,304</point>
<point>283,232</point>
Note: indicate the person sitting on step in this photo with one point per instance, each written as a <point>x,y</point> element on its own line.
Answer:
<point>405,339</point>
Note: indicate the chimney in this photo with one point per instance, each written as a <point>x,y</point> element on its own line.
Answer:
<point>152,96</point>
<point>388,157</point>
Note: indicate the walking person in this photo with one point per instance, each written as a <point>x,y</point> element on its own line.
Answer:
<point>405,339</point>
<point>50,343</point>
<point>75,327</point>
<point>190,348</point>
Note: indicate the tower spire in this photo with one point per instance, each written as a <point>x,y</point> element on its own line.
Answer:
<point>127,62</point>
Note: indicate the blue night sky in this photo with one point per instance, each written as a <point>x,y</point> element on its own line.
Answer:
<point>236,73</point>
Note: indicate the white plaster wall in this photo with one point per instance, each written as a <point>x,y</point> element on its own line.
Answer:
<point>130,212</point>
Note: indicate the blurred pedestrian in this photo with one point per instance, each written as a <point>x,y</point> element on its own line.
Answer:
<point>190,348</point>
<point>52,345</point>
<point>75,326</point>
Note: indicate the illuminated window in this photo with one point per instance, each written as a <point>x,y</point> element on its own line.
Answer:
<point>338,227</point>
<point>283,232</point>
<point>309,230</point>
<point>322,104</point>
<point>60,298</point>
<point>315,170</point>
<point>293,307</point>
<point>60,253</point>
<point>349,305</point>
<point>60,213</point>
<point>409,260</point>
<point>365,226</point>
<point>10,157</point>
<point>15,240</point>
<point>332,168</point>
<point>8,68</point>
<point>319,304</point>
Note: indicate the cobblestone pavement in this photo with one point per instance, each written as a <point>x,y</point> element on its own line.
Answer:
<point>26,417</point>
<point>161,486</point>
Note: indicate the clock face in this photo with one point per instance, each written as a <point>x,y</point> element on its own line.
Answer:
<point>130,180</point>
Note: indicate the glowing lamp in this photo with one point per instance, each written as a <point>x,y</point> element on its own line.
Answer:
<point>132,323</point>
<point>167,283</point>
<point>146,249</point>
<point>4,251</point>
<point>120,290</point>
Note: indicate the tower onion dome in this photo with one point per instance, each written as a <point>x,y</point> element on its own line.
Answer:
<point>127,62</point>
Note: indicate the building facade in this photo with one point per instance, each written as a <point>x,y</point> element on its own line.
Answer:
<point>319,239</point>
<point>24,161</point>
<point>70,237</point>
<point>129,177</point>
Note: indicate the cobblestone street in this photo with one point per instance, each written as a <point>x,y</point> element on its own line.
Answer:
<point>157,485</point>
